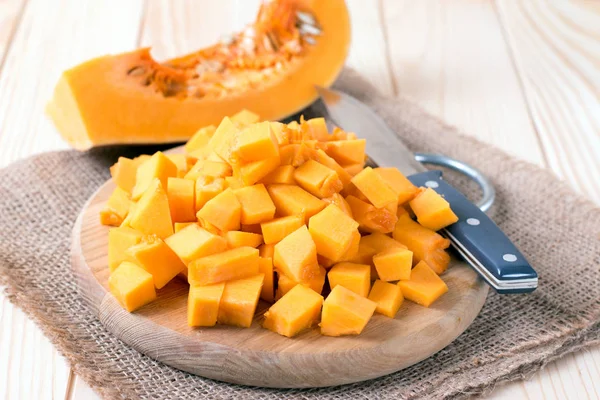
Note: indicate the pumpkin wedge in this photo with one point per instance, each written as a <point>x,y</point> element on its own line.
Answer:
<point>270,68</point>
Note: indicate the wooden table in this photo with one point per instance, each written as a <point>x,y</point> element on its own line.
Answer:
<point>523,75</point>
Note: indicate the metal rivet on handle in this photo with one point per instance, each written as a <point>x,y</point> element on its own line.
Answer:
<point>473,221</point>
<point>509,258</point>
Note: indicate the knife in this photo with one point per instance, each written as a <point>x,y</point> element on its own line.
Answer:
<point>476,237</point>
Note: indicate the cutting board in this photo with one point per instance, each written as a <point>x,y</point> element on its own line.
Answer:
<point>256,356</point>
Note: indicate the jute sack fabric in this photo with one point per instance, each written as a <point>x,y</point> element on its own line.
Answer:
<point>514,336</point>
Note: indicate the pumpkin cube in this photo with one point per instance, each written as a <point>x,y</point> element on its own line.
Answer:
<point>180,193</point>
<point>380,242</point>
<point>296,256</point>
<point>353,248</point>
<point>375,188</point>
<point>293,200</point>
<point>158,259</point>
<point>315,283</point>
<point>132,286</point>
<point>206,189</point>
<point>347,151</point>
<point>152,214</point>
<point>116,209</point>
<point>432,210</point>
<point>119,240</point>
<point>223,140</point>
<point>393,264</point>
<point>424,286</point>
<point>233,183</point>
<point>340,202</point>
<point>200,138</point>
<point>265,266</point>
<point>181,162</point>
<point>256,203</point>
<point>223,211</point>
<point>209,168</point>
<point>355,277</point>
<point>318,179</point>
<point>178,226</point>
<point>399,183</point>
<point>252,172</point>
<point>239,301</point>
<point>245,117</point>
<point>267,250</point>
<point>365,254</point>
<point>294,154</point>
<point>195,242</point>
<point>299,309</point>
<point>426,245</point>
<point>280,132</point>
<point>345,312</point>
<point>243,239</point>
<point>158,166</point>
<point>282,174</point>
<point>332,231</point>
<point>354,169</point>
<point>320,156</point>
<point>388,298</point>
<point>123,173</point>
<point>370,218</point>
<point>238,263</point>
<point>256,142</point>
<point>203,304</point>
<point>317,129</point>
<point>275,230</point>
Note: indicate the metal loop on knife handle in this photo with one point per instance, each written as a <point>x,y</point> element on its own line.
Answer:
<point>489,193</point>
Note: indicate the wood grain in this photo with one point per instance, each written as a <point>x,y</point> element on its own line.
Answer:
<point>259,357</point>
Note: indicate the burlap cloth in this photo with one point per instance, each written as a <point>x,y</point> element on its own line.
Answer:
<point>514,336</point>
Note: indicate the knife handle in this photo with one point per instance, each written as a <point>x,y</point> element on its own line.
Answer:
<point>481,241</point>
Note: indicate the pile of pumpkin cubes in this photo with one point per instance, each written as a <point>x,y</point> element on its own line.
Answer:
<point>287,213</point>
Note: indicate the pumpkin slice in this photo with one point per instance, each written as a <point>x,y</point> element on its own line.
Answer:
<point>270,68</point>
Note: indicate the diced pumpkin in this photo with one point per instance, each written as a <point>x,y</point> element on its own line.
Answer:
<point>393,264</point>
<point>275,230</point>
<point>380,242</point>
<point>293,200</point>
<point>280,131</point>
<point>424,286</point>
<point>203,304</point>
<point>332,231</point>
<point>320,156</point>
<point>354,169</point>
<point>243,239</point>
<point>340,202</point>
<point>206,189</point>
<point>181,162</point>
<point>178,226</point>
<point>152,215</point>
<point>297,310</point>
<point>194,242</point>
<point>317,179</point>
<point>365,254</point>
<point>432,210</point>
<point>399,183</point>
<point>233,182</point>
<point>123,173</point>
<point>354,277</point>
<point>296,256</point>
<point>116,208</point>
<point>158,259</point>
<point>132,286</point>
<point>238,263</point>
<point>200,138</point>
<point>353,248</point>
<point>316,283</point>
<point>209,168</point>
<point>245,117</point>
<point>265,266</point>
<point>158,166</point>
<point>388,298</point>
<point>283,174</point>
<point>267,250</point>
<point>347,151</point>
<point>223,211</point>
<point>256,142</point>
<point>239,301</point>
<point>426,245</point>
<point>317,129</point>
<point>223,140</point>
<point>119,240</point>
<point>180,193</point>
<point>345,312</point>
<point>370,218</point>
<point>252,172</point>
<point>375,188</point>
<point>252,228</point>
<point>256,203</point>
<point>210,227</point>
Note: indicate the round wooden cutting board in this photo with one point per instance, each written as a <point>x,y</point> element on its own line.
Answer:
<point>256,356</point>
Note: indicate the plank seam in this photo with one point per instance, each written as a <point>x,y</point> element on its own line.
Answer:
<point>12,33</point>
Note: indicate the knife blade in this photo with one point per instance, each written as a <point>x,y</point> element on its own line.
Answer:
<point>475,236</point>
